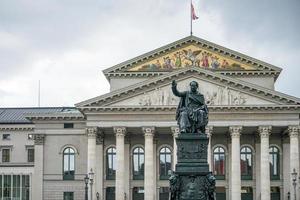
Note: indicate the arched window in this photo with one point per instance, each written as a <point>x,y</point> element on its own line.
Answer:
<point>68,163</point>
<point>246,163</point>
<point>219,162</point>
<point>164,162</point>
<point>111,163</point>
<point>274,162</point>
<point>138,163</point>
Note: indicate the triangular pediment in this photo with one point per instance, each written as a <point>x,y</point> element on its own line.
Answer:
<point>218,90</point>
<point>191,51</point>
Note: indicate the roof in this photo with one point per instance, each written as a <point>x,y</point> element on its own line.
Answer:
<point>18,115</point>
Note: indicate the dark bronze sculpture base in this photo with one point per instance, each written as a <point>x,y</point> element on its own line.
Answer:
<point>192,179</point>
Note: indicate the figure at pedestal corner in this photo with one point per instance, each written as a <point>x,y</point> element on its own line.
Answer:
<point>192,112</point>
<point>174,186</point>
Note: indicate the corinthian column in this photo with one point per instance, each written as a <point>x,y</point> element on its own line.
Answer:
<point>175,133</point>
<point>208,131</point>
<point>149,166</point>
<point>264,132</point>
<point>294,157</point>
<point>235,132</point>
<point>120,156</point>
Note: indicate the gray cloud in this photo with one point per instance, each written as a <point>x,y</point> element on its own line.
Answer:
<point>67,43</point>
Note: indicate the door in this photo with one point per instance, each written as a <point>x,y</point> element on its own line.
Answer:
<point>247,193</point>
<point>138,193</point>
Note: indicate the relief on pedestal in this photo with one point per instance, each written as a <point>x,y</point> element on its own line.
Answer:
<point>191,150</point>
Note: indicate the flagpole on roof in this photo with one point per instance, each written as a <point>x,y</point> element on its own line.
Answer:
<point>191,17</point>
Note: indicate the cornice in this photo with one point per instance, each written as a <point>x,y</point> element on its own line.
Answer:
<point>76,117</point>
<point>7,128</point>
<point>212,109</point>
<point>246,87</point>
<point>225,73</point>
<point>196,41</point>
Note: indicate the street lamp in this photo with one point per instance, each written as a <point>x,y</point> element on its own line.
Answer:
<point>86,181</point>
<point>294,178</point>
<point>91,176</point>
<point>97,195</point>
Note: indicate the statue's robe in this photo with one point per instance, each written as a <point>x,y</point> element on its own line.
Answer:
<point>192,112</point>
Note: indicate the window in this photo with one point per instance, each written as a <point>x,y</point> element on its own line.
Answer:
<point>5,155</point>
<point>138,163</point>
<point>164,162</point>
<point>30,155</point>
<point>138,193</point>
<point>219,162</point>
<point>6,137</point>
<point>111,163</point>
<point>274,163</point>
<point>13,187</point>
<point>68,164</point>
<point>68,195</point>
<point>246,163</point>
<point>68,125</point>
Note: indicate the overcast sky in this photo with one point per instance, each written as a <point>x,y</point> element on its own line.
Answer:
<point>67,43</point>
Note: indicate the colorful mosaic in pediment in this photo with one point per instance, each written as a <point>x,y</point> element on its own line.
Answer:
<point>192,56</point>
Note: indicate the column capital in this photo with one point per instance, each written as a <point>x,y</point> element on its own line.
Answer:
<point>264,131</point>
<point>293,131</point>
<point>148,131</point>
<point>175,131</point>
<point>91,131</point>
<point>39,139</point>
<point>99,137</point>
<point>120,131</point>
<point>235,131</point>
<point>209,130</point>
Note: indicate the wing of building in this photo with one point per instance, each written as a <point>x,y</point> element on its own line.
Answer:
<point>126,137</point>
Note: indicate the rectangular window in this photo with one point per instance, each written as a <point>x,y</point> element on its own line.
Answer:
<point>30,155</point>
<point>68,125</point>
<point>6,137</point>
<point>164,193</point>
<point>68,195</point>
<point>5,155</point>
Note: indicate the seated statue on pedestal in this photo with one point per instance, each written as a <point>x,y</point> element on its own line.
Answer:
<point>192,112</point>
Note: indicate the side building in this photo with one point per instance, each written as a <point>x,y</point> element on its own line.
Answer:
<point>125,140</point>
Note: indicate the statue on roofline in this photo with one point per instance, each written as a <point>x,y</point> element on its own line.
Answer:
<point>192,112</point>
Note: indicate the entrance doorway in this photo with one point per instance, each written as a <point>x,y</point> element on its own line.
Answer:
<point>110,193</point>
<point>220,193</point>
<point>247,193</point>
<point>275,193</point>
<point>138,193</point>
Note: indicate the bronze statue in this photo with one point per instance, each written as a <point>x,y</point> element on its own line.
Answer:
<point>192,112</point>
<point>174,186</point>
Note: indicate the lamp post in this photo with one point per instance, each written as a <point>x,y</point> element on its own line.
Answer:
<point>91,176</point>
<point>86,181</point>
<point>294,178</point>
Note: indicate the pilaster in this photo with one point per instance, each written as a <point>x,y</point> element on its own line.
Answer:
<point>235,132</point>
<point>293,132</point>
<point>91,133</point>
<point>37,188</point>
<point>99,177</point>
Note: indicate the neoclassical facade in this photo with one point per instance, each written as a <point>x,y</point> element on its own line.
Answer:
<point>127,136</point>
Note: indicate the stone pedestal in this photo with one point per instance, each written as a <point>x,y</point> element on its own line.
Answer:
<point>192,179</point>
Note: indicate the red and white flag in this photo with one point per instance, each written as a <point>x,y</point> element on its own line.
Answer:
<point>193,13</point>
